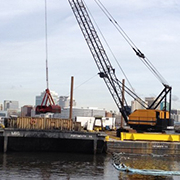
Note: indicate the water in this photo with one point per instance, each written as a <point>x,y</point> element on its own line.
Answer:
<point>65,166</point>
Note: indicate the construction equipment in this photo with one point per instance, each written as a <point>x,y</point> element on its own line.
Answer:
<point>47,104</point>
<point>148,119</point>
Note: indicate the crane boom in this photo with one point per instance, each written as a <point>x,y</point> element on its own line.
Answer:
<point>140,119</point>
<point>106,71</point>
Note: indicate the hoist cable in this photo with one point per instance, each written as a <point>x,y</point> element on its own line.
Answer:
<point>130,42</point>
<point>85,82</point>
<point>115,23</point>
<point>46,46</point>
<point>127,90</point>
<point>109,48</point>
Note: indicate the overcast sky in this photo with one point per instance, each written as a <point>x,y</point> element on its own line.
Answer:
<point>153,25</point>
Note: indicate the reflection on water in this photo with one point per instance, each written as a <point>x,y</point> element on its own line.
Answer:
<point>167,163</point>
<point>47,166</point>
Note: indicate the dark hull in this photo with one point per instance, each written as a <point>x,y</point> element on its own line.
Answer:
<point>52,141</point>
<point>52,145</point>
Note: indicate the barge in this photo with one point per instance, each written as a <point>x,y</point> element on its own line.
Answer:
<point>144,143</point>
<point>49,135</point>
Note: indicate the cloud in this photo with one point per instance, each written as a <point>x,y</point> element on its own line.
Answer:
<point>153,25</point>
<point>175,98</point>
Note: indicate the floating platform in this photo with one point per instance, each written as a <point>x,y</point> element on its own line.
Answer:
<point>51,141</point>
<point>135,143</point>
<point>150,137</point>
<point>49,134</point>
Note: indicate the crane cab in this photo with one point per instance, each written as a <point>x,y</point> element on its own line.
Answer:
<point>149,119</point>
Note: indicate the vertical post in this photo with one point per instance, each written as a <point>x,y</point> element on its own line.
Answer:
<point>71,98</point>
<point>5,143</point>
<point>165,110</point>
<point>123,82</point>
<point>95,145</point>
<point>170,105</point>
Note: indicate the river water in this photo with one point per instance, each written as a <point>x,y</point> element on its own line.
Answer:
<point>66,166</point>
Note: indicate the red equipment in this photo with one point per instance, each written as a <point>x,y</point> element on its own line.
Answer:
<point>44,108</point>
<point>47,104</point>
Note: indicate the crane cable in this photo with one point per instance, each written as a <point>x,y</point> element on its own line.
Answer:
<point>46,46</point>
<point>85,82</point>
<point>109,48</point>
<point>142,57</point>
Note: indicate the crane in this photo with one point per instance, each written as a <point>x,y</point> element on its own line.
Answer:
<point>47,104</point>
<point>147,119</point>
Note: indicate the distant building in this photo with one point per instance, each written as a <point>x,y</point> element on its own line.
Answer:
<point>3,113</point>
<point>150,100</point>
<point>13,112</point>
<point>13,105</point>
<point>135,105</point>
<point>1,107</point>
<point>26,111</point>
<point>83,112</point>
<point>40,98</point>
<point>33,112</point>
<point>64,101</point>
<point>162,106</point>
<point>175,111</point>
<point>175,114</point>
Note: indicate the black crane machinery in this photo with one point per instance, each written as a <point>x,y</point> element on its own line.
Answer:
<point>147,119</point>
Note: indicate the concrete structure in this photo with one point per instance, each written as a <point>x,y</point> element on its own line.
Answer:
<point>1,107</point>
<point>162,106</point>
<point>9,104</point>
<point>175,114</point>
<point>26,111</point>
<point>135,105</point>
<point>83,112</point>
<point>150,100</point>
<point>13,112</point>
<point>3,113</point>
<point>11,107</point>
<point>64,101</point>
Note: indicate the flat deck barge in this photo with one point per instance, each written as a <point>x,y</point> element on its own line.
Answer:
<point>51,140</point>
<point>154,144</point>
<point>40,134</point>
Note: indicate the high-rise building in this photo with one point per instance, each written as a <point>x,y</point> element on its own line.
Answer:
<point>150,100</point>
<point>64,101</point>
<point>136,105</point>
<point>1,107</point>
<point>40,98</point>
<point>12,105</point>
<point>26,111</point>
<point>83,112</point>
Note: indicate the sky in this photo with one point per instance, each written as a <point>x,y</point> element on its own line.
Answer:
<point>153,25</point>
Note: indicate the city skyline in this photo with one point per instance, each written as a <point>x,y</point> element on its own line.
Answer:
<point>152,25</point>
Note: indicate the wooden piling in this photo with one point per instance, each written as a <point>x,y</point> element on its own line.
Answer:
<point>5,143</point>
